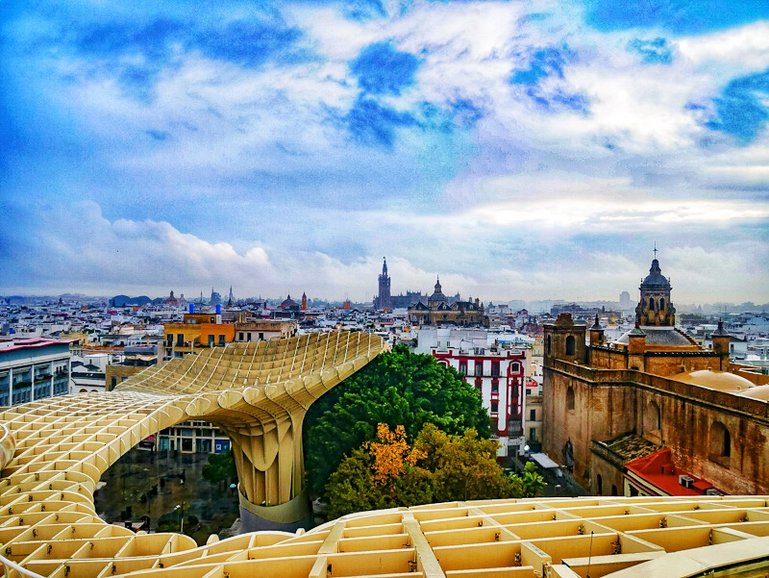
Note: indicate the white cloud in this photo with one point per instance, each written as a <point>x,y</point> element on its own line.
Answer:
<point>527,203</point>
<point>729,53</point>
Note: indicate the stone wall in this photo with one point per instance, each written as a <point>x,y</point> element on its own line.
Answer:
<point>608,403</point>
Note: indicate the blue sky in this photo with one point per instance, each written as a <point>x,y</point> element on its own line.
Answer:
<point>520,150</point>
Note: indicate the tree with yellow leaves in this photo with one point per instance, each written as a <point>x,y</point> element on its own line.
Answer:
<point>438,467</point>
<point>391,453</point>
<point>379,474</point>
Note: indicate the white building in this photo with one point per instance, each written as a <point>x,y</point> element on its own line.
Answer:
<point>499,374</point>
<point>32,369</point>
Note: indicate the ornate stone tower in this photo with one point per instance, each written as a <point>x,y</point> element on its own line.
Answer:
<point>384,301</point>
<point>655,308</point>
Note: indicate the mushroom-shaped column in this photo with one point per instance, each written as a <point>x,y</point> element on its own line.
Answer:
<point>264,423</point>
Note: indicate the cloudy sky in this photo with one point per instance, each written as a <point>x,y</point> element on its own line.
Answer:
<point>520,150</point>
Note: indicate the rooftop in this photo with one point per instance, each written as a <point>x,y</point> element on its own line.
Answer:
<point>663,336</point>
<point>658,470</point>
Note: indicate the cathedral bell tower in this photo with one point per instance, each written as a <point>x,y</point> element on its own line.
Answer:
<point>655,308</point>
<point>384,299</point>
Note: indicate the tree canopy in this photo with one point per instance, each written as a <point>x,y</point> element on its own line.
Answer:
<point>437,467</point>
<point>398,387</point>
<point>220,468</point>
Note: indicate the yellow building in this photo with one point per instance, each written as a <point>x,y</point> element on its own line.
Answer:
<point>197,330</point>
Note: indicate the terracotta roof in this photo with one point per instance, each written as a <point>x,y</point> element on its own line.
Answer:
<point>659,470</point>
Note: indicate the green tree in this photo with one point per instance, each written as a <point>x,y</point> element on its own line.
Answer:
<point>379,474</point>
<point>398,387</point>
<point>220,468</point>
<point>464,467</point>
<point>529,484</point>
<point>438,467</point>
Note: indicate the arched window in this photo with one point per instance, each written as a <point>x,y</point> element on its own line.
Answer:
<point>570,398</point>
<point>651,303</point>
<point>599,485</point>
<point>549,344</point>
<point>652,418</point>
<point>720,442</point>
<point>662,303</point>
<point>570,341</point>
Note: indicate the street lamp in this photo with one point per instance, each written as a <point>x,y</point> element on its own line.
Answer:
<point>180,509</point>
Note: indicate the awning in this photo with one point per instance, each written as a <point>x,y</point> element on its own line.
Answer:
<point>544,460</point>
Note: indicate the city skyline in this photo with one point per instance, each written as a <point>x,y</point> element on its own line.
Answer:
<point>519,150</point>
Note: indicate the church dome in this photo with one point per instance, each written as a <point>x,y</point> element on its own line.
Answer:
<point>437,295</point>
<point>655,279</point>
<point>718,380</point>
<point>760,392</point>
<point>287,303</point>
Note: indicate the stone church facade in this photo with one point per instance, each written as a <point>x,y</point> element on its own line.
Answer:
<point>607,405</point>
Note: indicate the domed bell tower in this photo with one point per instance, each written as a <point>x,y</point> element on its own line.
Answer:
<point>655,309</point>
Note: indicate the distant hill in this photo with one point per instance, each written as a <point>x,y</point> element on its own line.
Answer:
<point>123,300</point>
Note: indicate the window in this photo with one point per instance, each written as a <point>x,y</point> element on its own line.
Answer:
<point>720,443</point>
<point>570,398</point>
<point>463,367</point>
<point>240,336</point>
<point>495,387</point>
<point>532,415</point>
<point>549,345</point>
<point>170,339</point>
<point>479,368</point>
<point>210,340</point>
<point>495,368</point>
<point>515,367</point>
<point>221,341</point>
<point>114,381</point>
<point>494,407</point>
<point>570,345</point>
<point>533,434</point>
<point>599,485</point>
<point>180,339</point>
<point>652,420</point>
